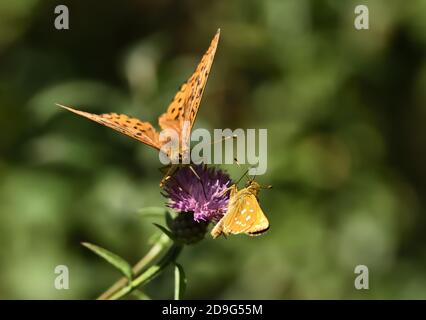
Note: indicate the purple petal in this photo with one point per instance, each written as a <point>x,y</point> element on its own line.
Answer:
<point>203,195</point>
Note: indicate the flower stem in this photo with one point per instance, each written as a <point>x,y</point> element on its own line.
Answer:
<point>155,251</point>
<point>150,273</point>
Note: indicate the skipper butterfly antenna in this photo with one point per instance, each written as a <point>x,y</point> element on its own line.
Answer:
<point>244,174</point>
<point>254,177</point>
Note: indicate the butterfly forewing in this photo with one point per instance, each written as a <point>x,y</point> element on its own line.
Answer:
<point>173,118</point>
<point>183,109</point>
<point>142,131</point>
<point>185,104</point>
<point>242,214</point>
<point>199,79</point>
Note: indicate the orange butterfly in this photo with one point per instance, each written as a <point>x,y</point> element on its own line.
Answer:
<point>183,109</point>
<point>244,214</point>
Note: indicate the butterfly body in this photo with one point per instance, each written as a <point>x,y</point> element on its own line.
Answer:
<point>179,117</point>
<point>244,214</point>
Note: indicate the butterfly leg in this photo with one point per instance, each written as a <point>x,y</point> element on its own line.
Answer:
<point>170,172</point>
<point>199,180</point>
<point>233,190</point>
<point>164,169</point>
<point>217,230</point>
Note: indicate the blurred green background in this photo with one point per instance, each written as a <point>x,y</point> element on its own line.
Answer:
<point>345,112</point>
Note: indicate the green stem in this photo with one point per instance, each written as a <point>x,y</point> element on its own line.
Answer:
<point>150,273</point>
<point>153,253</point>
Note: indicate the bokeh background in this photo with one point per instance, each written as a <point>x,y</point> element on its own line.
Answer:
<point>345,112</point>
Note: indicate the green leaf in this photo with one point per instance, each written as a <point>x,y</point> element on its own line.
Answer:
<point>166,231</point>
<point>151,212</point>
<point>112,258</point>
<point>169,218</point>
<point>180,282</point>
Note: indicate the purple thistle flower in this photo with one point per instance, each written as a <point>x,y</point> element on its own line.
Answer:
<point>202,195</point>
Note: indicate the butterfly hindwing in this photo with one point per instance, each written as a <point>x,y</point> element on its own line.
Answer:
<point>261,224</point>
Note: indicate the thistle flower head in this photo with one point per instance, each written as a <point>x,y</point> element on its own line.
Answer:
<point>200,190</point>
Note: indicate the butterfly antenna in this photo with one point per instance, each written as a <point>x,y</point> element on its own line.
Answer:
<point>254,176</point>
<point>244,175</point>
<point>234,136</point>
